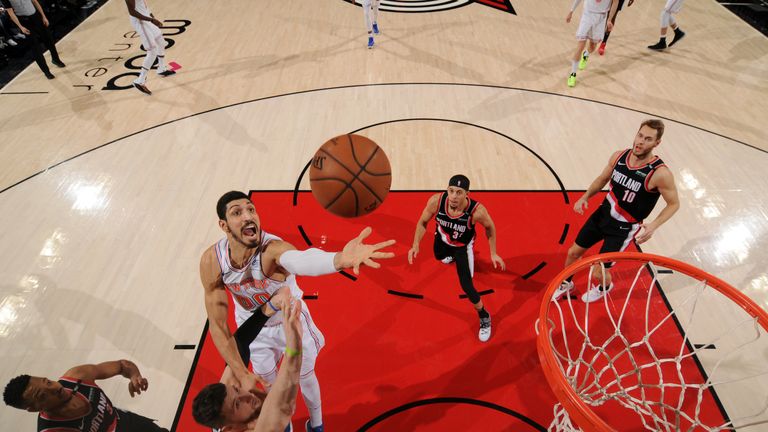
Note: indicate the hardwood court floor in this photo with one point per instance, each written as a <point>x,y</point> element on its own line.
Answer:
<point>107,195</point>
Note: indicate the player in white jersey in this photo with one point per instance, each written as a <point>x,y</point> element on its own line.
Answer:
<point>371,13</point>
<point>252,265</point>
<point>667,20</point>
<point>597,14</point>
<point>148,28</point>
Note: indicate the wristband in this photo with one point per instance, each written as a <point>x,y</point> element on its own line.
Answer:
<point>269,303</point>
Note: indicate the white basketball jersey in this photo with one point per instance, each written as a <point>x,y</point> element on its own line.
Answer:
<point>598,6</point>
<point>249,286</point>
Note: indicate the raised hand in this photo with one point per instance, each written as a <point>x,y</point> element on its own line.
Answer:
<point>356,253</point>
<point>137,385</point>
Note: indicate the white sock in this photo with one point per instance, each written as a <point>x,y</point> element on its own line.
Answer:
<point>376,11</point>
<point>574,66</point>
<point>310,390</point>
<point>149,60</point>
<point>161,67</point>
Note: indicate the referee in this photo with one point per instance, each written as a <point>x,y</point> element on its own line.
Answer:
<point>31,20</point>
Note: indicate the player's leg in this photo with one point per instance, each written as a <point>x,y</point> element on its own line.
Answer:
<point>312,342</point>
<point>465,269</point>
<point>367,13</point>
<point>375,11</point>
<point>618,236</point>
<point>667,20</point>
<point>595,34</point>
<point>580,44</point>
<point>266,351</point>
<point>142,29</point>
<point>607,34</point>
<point>442,251</point>
<point>587,237</point>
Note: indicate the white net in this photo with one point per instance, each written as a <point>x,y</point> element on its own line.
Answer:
<point>675,353</point>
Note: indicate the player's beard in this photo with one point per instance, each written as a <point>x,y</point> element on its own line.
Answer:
<point>250,244</point>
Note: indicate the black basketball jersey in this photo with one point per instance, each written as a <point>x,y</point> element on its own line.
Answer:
<point>455,231</point>
<point>629,198</point>
<point>101,418</point>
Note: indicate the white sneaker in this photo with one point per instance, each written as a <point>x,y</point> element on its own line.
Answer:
<point>564,288</point>
<point>485,329</point>
<point>595,293</point>
<point>447,260</point>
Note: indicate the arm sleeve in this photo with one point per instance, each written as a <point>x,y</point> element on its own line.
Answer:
<point>310,262</point>
<point>247,332</point>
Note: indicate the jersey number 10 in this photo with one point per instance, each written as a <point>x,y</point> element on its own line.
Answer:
<point>629,196</point>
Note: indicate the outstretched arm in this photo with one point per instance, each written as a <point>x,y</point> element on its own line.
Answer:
<point>482,217</point>
<point>421,226</point>
<point>280,402</point>
<point>126,368</point>
<point>597,185</point>
<point>316,262</point>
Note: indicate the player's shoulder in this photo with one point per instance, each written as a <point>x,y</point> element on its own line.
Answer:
<point>210,271</point>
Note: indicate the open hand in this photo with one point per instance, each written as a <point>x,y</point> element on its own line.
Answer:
<point>356,253</point>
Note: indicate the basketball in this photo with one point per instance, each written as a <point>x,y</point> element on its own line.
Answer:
<point>350,175</point>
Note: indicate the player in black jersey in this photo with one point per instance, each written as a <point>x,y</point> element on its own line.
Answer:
<point>637,179</point>
<point>76,403</point>
<point>455,216</point>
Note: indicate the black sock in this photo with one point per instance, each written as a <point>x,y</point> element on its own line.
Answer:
<point>482,313</point>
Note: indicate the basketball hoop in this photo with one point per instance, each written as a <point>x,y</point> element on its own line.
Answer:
<point>663,355</point>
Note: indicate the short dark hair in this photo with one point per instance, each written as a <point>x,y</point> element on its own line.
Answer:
<point>221,205</point>
<point>206,408</point>
<point>14,391</point>
<point>656,125</point>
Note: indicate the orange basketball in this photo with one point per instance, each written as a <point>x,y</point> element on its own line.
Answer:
<point>350,175</point>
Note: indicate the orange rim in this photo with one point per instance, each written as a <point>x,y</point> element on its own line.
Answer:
<point>579,411</point>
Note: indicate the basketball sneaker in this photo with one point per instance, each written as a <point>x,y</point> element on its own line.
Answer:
<point>679,34</point>
<point>572,80</point>
<point>565,288</point>
<point>375,28</point>
<point>167,72</point>
<point>658,46</point>
<point>370,42</point>
<point>313,429</point>
<point>596,293</point>
<point>584,59</point>
<point>485,329</point>
<point>447,260</point>
<point>601,48</point>
<point>142,88</point>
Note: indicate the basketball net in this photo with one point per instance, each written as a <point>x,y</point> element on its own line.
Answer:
<point>660,346</point>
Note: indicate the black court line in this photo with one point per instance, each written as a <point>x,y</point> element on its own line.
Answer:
<point>304,235</point>
<point>452,400</point>
<point>310,297</point>
<point>23,93</point>
<point>481,293</point>
<point>704,346</point>
<point>535,270</point>
<point>509,138</point>
<point>351,86</point>
<point>564,234</point>
<point>347,275</point>
<point>665,271</point>
<point>184,347</point>
<point>192,369</point>
<point>402,294</point>
<point>687,342</point>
